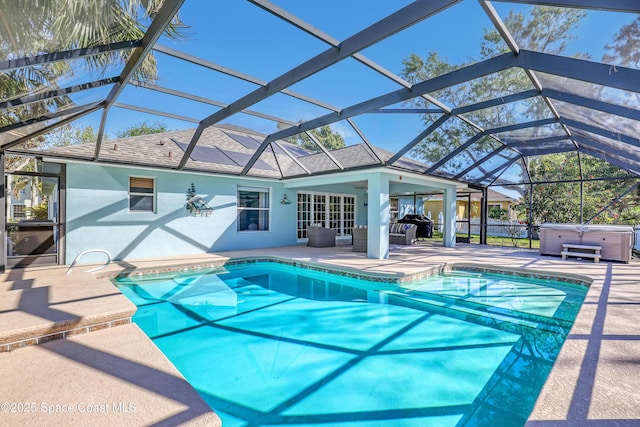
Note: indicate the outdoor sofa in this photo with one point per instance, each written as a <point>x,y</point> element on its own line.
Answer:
<point>399,234</point>
<point>402,234</point>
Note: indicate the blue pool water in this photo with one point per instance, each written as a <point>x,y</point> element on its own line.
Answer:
<point>271,344</point>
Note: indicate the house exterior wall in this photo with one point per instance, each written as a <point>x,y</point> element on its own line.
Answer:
<point>436,206</point>
<point>433,206</point>
<point>98,216</point>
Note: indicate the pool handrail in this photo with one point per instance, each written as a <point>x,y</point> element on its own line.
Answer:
<point>105,265</point>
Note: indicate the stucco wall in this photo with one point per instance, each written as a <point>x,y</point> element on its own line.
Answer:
<point>98,215</point>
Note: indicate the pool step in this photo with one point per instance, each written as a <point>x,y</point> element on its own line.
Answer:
<point>578,251</point>
<point>509,312</point>
<point>488,315</point>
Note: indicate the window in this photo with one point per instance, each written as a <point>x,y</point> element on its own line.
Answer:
<point>141,194</point>
<point>253,209</point>
<point>19,212</point>
<point>320,209</point>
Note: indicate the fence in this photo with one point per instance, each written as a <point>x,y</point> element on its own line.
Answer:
<point>499,228</point>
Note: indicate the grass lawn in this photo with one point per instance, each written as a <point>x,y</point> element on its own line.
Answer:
<point>496,240</point>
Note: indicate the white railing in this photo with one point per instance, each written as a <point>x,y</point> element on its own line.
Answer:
<point>105,265</point>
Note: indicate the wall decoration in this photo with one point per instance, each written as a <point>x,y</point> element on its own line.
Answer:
<point>196,205</point>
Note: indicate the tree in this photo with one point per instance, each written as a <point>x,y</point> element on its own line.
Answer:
<point>142,128</point>
<point>625,49</point>
<point>559,202</point>
<point>547,29</point>
<point>191,192</point>
<point>498,213</point>
<point>32,27</point>
<point>40,212</point>
<point>329,139</point>
<point>70,134</point>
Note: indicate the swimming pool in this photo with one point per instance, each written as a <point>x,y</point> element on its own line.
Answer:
<point>271,344</point>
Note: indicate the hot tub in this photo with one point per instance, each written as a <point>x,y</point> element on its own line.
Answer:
<point>616,240</point>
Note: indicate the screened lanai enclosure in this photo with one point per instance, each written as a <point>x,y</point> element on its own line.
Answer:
<point>533,105</point>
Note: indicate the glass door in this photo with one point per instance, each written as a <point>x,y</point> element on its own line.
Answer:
<point>304,214</point>
<point>335,210</point>
<point>32,214</point>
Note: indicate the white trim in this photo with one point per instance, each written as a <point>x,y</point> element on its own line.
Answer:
<point>268,209</point>
<point>246,188</point>
<point>395,176</point>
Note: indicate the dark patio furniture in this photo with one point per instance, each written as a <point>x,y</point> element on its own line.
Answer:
<point>359,236</point>
<point>320,237</point>
<point>402,233</point>
<point>424,224</point>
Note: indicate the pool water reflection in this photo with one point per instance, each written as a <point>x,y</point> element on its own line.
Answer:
<point>270,344</point>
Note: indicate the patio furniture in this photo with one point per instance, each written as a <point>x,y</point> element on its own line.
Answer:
<point>402,234</point>
<point>320,237</point>
<point>359,239</point>
<point>424,224</point>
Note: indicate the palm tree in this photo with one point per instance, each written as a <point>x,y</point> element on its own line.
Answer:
<point>32,27</point>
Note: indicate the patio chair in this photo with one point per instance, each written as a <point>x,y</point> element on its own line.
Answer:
<point>359,237</point>
<point>320,237</point>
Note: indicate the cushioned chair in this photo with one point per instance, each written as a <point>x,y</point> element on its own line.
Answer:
<point>359,237</point>
<point>320,237</point>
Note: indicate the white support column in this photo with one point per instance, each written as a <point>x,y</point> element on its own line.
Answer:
<point>449,229</point>
<point>378,217</point>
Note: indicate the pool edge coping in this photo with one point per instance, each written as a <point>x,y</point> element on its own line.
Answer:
<point>388,277</point>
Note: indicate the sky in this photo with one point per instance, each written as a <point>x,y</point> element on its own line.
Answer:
<point>245,38</point>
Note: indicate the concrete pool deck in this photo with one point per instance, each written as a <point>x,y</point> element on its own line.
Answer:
<point>108,364</point>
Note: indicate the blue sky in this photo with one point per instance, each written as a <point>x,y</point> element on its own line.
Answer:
<point>245,38</point>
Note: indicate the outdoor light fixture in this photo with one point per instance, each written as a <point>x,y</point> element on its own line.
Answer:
<point>285,200</point>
